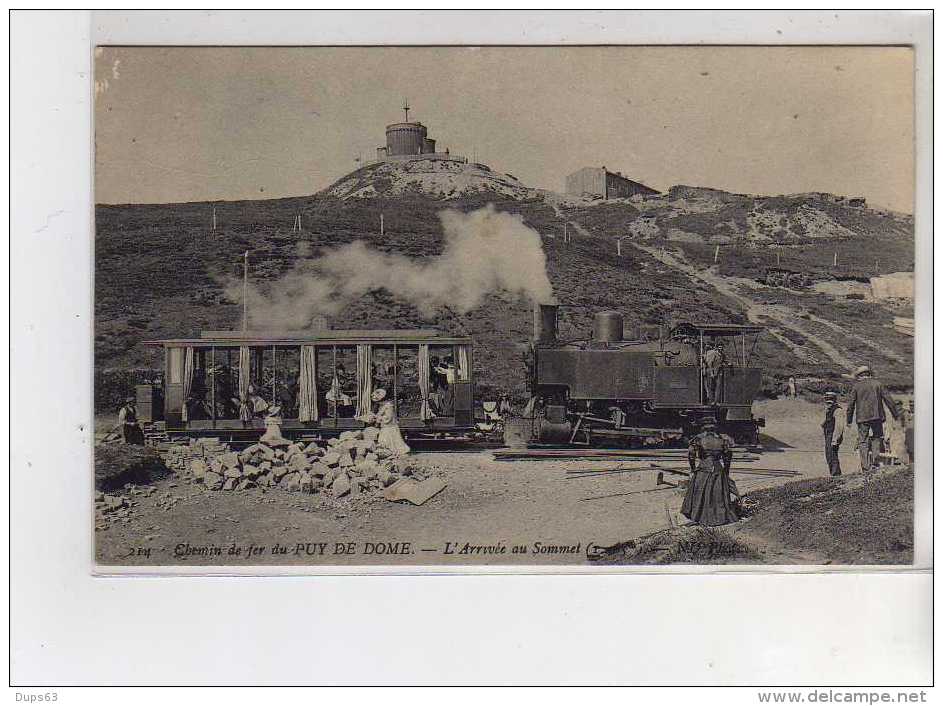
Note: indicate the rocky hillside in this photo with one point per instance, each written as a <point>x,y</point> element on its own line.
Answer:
<point>436,178</point>
<point>161,270</point>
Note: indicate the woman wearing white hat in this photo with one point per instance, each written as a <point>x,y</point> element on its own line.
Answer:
<point>390,436</point>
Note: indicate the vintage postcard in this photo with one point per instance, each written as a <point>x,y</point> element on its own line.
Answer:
<point>504,306</point>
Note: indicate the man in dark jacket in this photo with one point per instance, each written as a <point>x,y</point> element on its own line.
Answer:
<point>868,398</point>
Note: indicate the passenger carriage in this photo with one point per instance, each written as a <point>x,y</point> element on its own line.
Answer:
<point>320,381</point>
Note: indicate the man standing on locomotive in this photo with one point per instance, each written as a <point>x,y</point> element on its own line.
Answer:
<point>708,497</point>
<point>868,398</point>
<point>711,363</point>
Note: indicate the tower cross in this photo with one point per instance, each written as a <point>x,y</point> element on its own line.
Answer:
<point>406,109</point>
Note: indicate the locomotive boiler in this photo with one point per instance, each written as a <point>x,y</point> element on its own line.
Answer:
<point>651,389</point>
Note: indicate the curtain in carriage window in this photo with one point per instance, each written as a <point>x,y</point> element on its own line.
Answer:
<point>462,373</point>
<point>424,371</point>
<point>364,380</point>
<point>187,381</point>
<point>308,386</point>
<point>245,370</point>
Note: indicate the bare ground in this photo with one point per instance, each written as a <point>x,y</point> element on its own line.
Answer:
<point>487,505</point>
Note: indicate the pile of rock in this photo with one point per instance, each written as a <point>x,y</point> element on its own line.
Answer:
<point>349,465</point>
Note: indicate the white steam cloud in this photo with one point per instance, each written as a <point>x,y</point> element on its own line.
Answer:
<point>485,251</point>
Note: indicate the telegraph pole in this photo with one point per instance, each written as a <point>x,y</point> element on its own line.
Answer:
<point>214,219</point>
<point>245,291</point>
<point>381,224</point>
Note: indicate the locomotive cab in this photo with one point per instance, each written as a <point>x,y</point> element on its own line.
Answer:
<point>649,389</point>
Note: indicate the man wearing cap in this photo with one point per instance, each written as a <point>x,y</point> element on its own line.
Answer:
<point>868,399</point>
<point>833,427</point>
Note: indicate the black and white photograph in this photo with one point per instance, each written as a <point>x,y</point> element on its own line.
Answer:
<point>504,305</point>
<point>471,348</point>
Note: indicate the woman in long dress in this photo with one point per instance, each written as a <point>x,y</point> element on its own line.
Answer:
<point>390,436</point>
<point>707,500</point>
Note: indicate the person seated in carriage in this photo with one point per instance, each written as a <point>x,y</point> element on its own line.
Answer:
<point>342,395</point>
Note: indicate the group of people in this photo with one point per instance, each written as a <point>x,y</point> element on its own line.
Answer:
<point>866,406</point>
<point>712,498</point>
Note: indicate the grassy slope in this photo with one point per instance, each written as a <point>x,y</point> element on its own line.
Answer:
<point>160,268</point>
<point>846,520</point>
<point>881,243</point>
<point>147,290</point>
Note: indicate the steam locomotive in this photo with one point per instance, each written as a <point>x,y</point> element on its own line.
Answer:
<point>650,390</point>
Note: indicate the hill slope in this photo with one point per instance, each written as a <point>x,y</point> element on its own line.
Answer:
<point>161,271</point>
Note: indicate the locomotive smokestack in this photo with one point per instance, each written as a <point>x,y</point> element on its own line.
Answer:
<point>545,323</point>
<point>607,327</point>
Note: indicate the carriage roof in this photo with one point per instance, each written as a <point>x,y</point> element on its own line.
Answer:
<point>325,336</point>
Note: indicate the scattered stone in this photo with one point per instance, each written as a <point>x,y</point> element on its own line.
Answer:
<point>415,493</point>
<point>230,460</point>
<point>319,469</point>
<point>212,480</point>
<point>298,462</point>
<point>198,468</point>
<point>230,484</point>
<point>341,486</point>
<point>232,473</point>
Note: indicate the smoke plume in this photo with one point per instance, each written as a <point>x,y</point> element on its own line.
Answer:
<point>484,252</point>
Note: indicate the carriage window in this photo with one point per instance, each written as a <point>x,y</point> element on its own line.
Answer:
<point>324,364</point>
<point>342,391</point>
<point>287,368</point>
<point>223,374</point>
<point>383,369</point>
<point>442,377</point>
<point>199,395</point>
<point>408,395</point>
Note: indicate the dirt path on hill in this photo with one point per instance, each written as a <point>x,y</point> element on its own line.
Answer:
<point>786,317</point>
<point>781,316</point>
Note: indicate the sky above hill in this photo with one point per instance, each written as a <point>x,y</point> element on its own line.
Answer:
<point>194,124</point>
